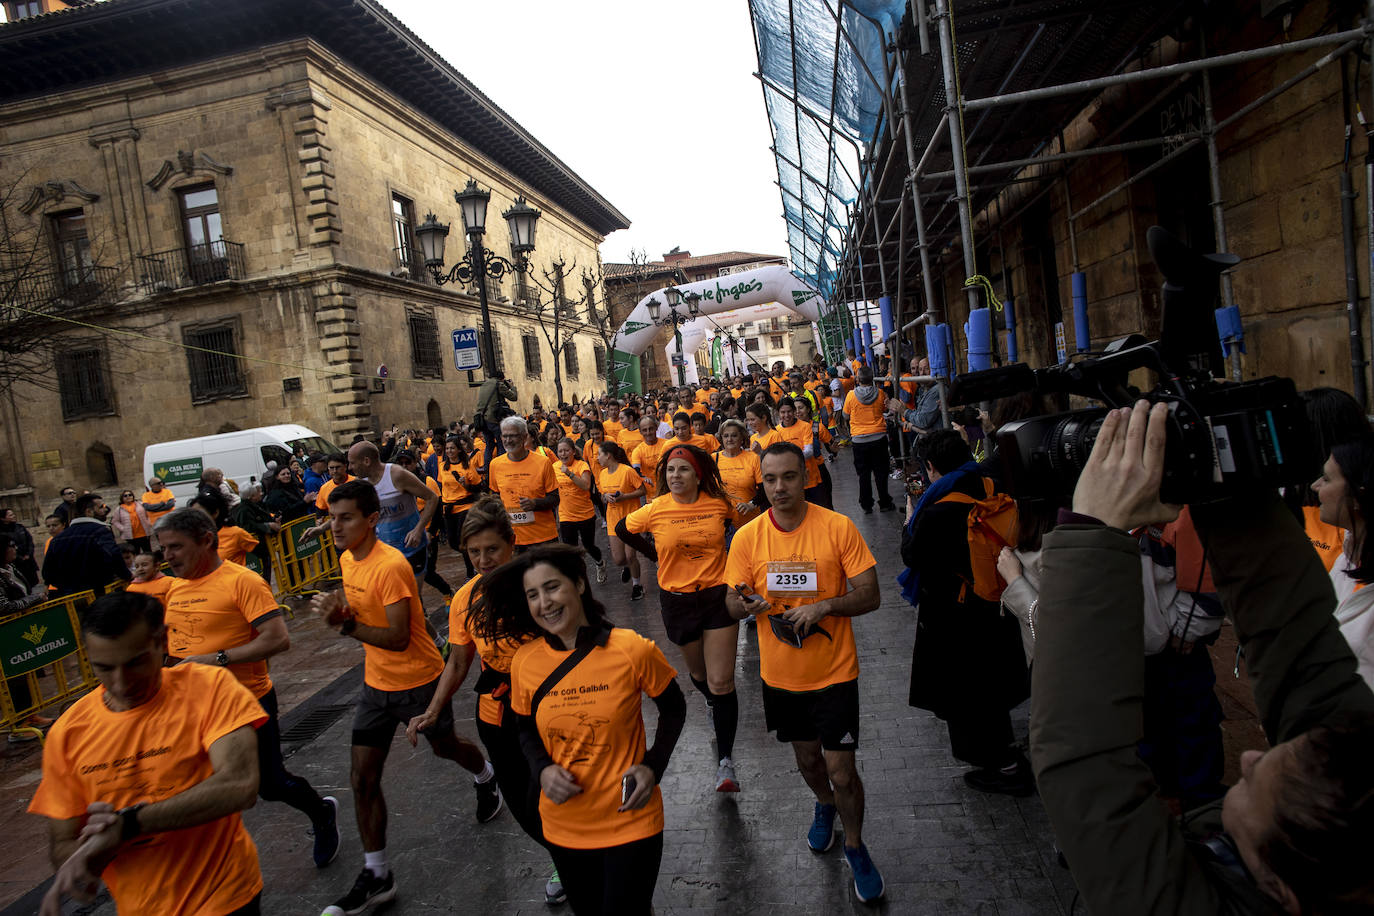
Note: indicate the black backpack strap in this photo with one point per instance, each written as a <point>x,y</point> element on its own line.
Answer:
<point>587,641</point>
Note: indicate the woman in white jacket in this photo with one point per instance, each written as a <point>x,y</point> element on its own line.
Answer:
<point>1344,499</point>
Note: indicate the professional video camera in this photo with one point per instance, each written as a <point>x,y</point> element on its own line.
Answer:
<point>1223,438</point>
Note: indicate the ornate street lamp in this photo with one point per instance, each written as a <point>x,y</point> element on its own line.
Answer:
<point>479,263</point>
<point>677,320</point>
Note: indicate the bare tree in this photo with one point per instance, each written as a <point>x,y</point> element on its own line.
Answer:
<point>557,314</point>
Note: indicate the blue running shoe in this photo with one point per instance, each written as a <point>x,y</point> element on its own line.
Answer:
<point>868,882</point>
<point>821,836</point>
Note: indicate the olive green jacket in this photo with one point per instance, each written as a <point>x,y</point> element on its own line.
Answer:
<point>1127,854</point>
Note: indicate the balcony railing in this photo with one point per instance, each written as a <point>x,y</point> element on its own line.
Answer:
<point>411,262</point>
<point>195,265</point>
<point>63,289</point>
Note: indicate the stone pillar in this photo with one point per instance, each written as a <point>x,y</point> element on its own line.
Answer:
<point>340,336</point>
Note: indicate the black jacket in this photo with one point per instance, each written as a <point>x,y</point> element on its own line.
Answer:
<point>83,556</point>
<point>967,657</point>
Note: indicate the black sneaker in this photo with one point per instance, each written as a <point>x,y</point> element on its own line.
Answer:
<point>890,507</point>
<point>1018,783</point>
<point>637,593</point>
<point>489,802</point>
<point>625,574</point>
<point>368,891</point>
<point>326,831</point>
<point>868,510</point>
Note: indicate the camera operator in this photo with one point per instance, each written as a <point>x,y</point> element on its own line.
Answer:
<point>1296,834</point>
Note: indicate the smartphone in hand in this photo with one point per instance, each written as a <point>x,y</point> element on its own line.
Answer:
<point>627,788</point>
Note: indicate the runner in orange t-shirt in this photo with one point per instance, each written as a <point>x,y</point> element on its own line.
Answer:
<point>806,571</point>
<point>809,437</point>
<point>646,456</point>
<point>117,763</point>
<point>688,525</point>
<point>621,489</point>
<point>760,420</point>
<point>148,579</point>
<point>380,607</point>
<point>221,613</point>
<point>600,804</point>
<point>739,472</point>
<point>865,407</point>
<point>576,513</point>
<point>524,480</point>
<point>489,540</point>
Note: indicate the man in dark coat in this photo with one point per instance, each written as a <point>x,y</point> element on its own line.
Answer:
<point>84,555</point>
<point>967,666</point>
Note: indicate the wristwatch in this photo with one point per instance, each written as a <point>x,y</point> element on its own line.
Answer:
<point>222,658</point>
<point>348,626</point>
<point>129,827</point>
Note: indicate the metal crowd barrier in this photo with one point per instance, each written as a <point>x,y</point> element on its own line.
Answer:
<point>302,567</point>
<point>45,636</point>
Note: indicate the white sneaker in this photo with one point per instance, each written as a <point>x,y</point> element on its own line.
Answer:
<point>725,776</point>
<point>601,572</point>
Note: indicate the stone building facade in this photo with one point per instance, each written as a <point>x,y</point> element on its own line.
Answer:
<point>233,225</point>
<point>1280,170</point>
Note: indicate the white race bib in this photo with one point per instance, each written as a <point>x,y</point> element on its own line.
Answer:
<point>796,580</point>
<point>521,518</point>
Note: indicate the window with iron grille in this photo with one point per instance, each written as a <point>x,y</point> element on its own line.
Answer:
<point>212,361</point>
<point>83,381</point>
<point>534,365</point>
<point>570,367</point>
<point>425,358</point>
<point>599,354</point>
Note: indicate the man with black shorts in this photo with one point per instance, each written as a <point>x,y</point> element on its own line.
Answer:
<point>379,606</point>
<point>805,571</point>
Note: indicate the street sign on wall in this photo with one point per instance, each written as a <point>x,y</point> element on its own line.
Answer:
<point>467,353</point>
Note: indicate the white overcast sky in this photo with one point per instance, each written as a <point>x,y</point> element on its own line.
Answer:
<point>654,104</point>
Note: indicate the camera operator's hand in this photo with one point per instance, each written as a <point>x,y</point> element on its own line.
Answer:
<point>1120,484</point>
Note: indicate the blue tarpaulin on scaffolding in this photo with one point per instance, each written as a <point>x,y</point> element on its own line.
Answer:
<point>821,64</point>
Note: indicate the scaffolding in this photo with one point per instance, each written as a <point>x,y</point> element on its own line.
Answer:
<point>901,129</point>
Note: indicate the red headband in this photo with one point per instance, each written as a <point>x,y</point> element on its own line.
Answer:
<point>682,452</point>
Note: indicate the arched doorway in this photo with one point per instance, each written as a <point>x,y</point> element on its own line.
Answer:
<point>433,414</point>
<point>100,465</point>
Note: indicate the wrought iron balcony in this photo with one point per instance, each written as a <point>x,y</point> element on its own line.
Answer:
<point>194,265</point>
<point>81,287</point>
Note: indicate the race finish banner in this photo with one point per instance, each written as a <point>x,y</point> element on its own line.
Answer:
<point>625,373</point>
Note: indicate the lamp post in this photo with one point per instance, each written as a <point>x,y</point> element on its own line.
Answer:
<point>479,263</point>
<point>677,320</point>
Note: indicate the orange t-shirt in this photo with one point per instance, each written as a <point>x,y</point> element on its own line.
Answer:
<point>706,442</point>
<point>574,503</point>
<point>624,479</point>
<point>689,537</point>
<point>218,611</point>
<point>429,483</point>
<point>592,726</point>
<point>322,498</point>
<point>647,457</point>
<point>455,480</point>
<point>496,655</point>
<point>384,577</point>
<point>530,478</point>
<point>848,384</point>
<point>150,498</point>
<point>793,568</point>
<point>135,523</point>
<point>741,476</point>
<point>613,429</point>
<point>801,435</point>
<point>865,419</point>
<point>760,442</point>
<point>777,388</point>
<point>235,544</point>
<point>589,451</point>
<point>1327,540</point>
<point>148,754</point>
<point>157,587</point>
<point>629,440</point>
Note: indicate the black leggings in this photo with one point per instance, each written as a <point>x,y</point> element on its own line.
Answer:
<point>453,533</point>
<point>569,532</point>
<point>615,881</point>
<point>275,782</point>
<point>518,786</point>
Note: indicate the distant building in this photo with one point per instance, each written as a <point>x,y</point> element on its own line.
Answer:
<point>236,187</point>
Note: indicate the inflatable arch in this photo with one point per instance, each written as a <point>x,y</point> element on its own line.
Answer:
<point>764,292</point>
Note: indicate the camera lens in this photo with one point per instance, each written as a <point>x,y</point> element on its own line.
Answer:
<point>1070,443</point>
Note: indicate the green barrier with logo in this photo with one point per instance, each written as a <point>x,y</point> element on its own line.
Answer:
<point>45,637</point>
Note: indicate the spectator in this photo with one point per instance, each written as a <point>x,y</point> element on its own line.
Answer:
<point>131,523</point>
<point>23,542</point>
<point>1296,833</point>
<point>492,408</point>
<point>19,594</point>
<point>158,500</point>
<point>212,479</point>
<point>285,496</point>
<point>254,517</point>
<point>64,508</point>
<point>316,474</point>
<point>968,666</point>
<point>85,555</point>
<point>1345,500</point>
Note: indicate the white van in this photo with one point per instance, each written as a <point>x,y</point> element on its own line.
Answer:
<point>242,455</point>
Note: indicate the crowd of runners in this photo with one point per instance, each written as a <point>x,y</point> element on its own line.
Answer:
<point>722,495</point>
